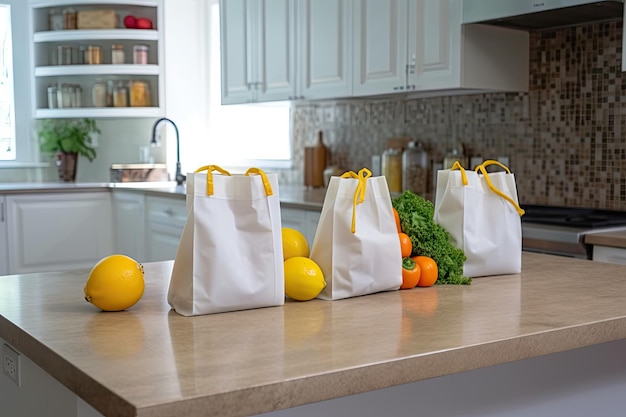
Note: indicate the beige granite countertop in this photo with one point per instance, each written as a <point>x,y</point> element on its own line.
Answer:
<point>150,361</point>
<point>615,239</point>
<point>290,195</point>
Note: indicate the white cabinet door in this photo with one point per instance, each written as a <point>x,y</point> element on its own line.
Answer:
<point>4,260</point>
<point>257,50</point>
<point>433,36</point>
<point>129,224</point>
<point>276,44</point>
<point>166,220</point>
<point>325,48</point>
<point>237,65</point>
<point>58,231</point>
<point>380,46</point>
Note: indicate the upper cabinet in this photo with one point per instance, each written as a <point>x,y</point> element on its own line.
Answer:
<point>285,49</point>
<point>381,53</point>
<point>324,49</point>
<point>88,63</point>
<point>257,49</point>
<point>457,58</point>
<point>350,48</point>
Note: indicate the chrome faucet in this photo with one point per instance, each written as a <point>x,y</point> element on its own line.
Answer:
<point>180,178</point>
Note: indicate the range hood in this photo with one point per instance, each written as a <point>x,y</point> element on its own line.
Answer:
<point>536,15</point>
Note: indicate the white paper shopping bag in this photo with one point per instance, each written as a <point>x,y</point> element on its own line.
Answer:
<point>356,243</point>
<point>481,212</point>
<point>230,252</point>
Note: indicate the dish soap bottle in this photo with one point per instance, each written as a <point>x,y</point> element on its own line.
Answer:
<point>453,155</point>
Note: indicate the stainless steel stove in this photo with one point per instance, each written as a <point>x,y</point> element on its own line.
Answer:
<point>562,230</point>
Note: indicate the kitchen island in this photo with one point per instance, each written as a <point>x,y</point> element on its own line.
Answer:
<point>150,361</point>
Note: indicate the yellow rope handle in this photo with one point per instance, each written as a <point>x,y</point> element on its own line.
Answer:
<point>359,193</point>
<point>266,183</point>
<point>209,175</point>
<point>457,165</point>
<point>493,162</point>
<point>483,170</point>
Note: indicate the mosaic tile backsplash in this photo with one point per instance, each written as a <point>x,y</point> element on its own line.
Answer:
<point>565,138</point>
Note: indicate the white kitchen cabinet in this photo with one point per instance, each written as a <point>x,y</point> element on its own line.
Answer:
<point>300,219</point>
<point>324,29</point>
<point>129,223</point>
<point>4,260</point>
<point>420,46</point>
<point>165,222</point>
<point>257,50</point>
<point>463,58</point>
<point>58,231</point>
<point>49,69</point>
<point>381,55</point>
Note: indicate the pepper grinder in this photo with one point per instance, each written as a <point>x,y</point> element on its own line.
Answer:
<point>320,158</point>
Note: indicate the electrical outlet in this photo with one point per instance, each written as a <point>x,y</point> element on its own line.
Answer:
<point>11,364</point>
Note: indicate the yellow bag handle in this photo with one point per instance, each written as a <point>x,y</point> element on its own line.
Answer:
<point>266,183</point>
<point>209,181</point>
<point>457,165</point>
<point>483,170</point>
<point>359,193</point>
<point>209,175</point>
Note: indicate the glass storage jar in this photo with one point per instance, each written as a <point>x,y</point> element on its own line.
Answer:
<point>415,169</point>
<point>140,54</point>
<point>117,54</point>
<point>120,95</point>
<point>99,93</point>
<point>392,169</point>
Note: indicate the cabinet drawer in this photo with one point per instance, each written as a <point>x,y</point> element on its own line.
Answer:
<point>609,254</point>
<point>166,211</point>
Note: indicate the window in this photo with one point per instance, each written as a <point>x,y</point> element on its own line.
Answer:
<point>7,106</point>
<point>244,135</point>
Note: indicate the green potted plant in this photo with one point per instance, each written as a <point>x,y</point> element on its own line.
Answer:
<point>68,138</point>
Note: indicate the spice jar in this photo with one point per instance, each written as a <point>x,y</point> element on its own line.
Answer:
<point>93,55</point>
<point>415,170</point>
<point>117,54</point>
<point>99,93</point>
<point>140,54</point>
<point>392,169</point>
<point>52,96</point>
<point>69,18</point>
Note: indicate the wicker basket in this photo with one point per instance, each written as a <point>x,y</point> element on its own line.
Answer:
<point>97,19</point>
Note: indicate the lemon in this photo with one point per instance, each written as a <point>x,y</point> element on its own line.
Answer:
<point>115,283</point>
<point>304,279</point>
<point>294,244</point>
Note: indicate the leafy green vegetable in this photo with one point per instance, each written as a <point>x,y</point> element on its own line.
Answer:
<point>430,239</point>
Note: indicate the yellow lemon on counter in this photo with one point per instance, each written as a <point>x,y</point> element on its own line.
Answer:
<point>304,279</point>
<point>115,283</point>
<point>294,243</point>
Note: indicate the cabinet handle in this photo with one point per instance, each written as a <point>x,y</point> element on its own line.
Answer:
<point>1,212</point>
<point>169,212</point>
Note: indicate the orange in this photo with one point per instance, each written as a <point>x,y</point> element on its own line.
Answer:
<point>429,270</point>
<point>405,244</point>
<point>396,216</point>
